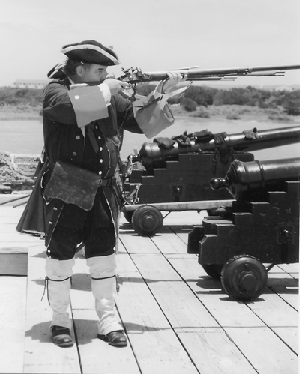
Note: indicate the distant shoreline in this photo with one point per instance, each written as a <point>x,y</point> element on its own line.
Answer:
<point>228,112</point>
<point>20,118</point>
<point>13,114</point>
<point>26,137</point>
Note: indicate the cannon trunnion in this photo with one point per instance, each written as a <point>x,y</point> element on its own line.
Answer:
<point>261,227</point>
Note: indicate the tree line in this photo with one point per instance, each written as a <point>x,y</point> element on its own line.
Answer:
<point>191,98</point>
<point>250,96</point>
<point>21,96</point>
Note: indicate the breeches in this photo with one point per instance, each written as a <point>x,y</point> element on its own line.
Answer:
<point>94,229</point>
<point>98,241</point>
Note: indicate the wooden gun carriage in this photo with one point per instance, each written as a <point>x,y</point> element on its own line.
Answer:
<point>177,178</point>
<point>261,226</point>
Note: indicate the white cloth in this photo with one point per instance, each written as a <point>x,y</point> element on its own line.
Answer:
<point>104,291</point>
<point>152,113</point>
<point>89,102</point>
<point>59,273</point>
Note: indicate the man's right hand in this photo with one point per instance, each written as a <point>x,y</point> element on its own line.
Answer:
<point>115,85</point>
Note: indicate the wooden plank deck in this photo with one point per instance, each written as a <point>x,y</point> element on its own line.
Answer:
<point>177,319</point>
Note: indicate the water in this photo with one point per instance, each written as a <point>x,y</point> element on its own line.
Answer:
<point>21,136</point>
<point>27,136</point>
<point>132,141</point>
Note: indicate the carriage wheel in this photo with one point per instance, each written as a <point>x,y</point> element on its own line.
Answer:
<point>147,220</point>
<point>244,277</point>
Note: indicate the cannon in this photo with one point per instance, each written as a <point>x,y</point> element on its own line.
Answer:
<point>243,242</point>
<point>175,174</point>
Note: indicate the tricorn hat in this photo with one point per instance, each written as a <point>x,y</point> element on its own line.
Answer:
<point>57,72</point>
<point>90,52</point>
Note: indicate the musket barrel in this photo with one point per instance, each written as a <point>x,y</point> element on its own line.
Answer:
<point>239,142</point>
<point>203,74</point>
<point>247,177</point>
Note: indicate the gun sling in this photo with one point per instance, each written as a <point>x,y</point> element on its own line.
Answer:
<point>74,185</point>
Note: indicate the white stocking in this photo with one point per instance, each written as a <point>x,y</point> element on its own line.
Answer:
<point>103,282</point>
<point>58,276</point>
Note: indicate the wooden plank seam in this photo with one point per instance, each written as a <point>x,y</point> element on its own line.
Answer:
<point>129,341</point>
<point>209,312</point>
<point>75,335</point>
<point>176,334</point>
<point>270,328</point>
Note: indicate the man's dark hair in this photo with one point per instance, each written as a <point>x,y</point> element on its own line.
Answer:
<point>71,65</point>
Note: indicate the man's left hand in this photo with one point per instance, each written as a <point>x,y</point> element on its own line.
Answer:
<point>167,85</point>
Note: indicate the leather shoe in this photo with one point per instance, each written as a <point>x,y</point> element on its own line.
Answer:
<point>61,336</point>
<point>115,338</point>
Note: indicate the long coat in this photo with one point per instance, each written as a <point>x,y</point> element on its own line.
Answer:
<point>65,141</point>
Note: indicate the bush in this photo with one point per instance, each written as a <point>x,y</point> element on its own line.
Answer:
<point>291,103</point>
<point>201,95</point>
<point>188,105</point>
<point>201,114</point>
<point>280,118</point>
<point>233,116</point>
<point>21,96</point>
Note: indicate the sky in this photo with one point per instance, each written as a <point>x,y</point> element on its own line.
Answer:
<point>152,34</point>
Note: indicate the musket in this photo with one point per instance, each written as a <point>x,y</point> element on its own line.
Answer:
<point>136,75</point>
<point>193,73</point>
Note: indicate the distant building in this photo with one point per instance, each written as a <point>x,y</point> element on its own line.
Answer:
<point>30,83</point>
<point>284,88</point>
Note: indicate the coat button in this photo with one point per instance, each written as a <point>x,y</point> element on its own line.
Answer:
<point>74,153</point>
<point>77,137</point>
<point>100,172</point>
<point>101,161</point>
<point>100,149</point>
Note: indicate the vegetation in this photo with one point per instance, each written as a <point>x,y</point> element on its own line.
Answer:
<point>188,104</point>
<point>21,96</point>
<point>291,102</point>
<point>28,100</point>
<point>249,96</point>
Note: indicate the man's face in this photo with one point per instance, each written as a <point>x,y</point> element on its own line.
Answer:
<point>93,73</point>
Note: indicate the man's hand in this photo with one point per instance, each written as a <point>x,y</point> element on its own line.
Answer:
<point>167,85</point>
<point>115,85</point>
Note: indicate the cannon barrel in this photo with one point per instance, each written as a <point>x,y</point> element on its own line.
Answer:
<point>247,177</point>
<point>239,142</point>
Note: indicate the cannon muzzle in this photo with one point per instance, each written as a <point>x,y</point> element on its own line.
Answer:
<point>246,178</point>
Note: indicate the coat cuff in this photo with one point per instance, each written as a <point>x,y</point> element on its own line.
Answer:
<point>89,102</point>
<point>152,114</point>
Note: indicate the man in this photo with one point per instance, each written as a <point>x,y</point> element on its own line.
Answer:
<point>83,122</point>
